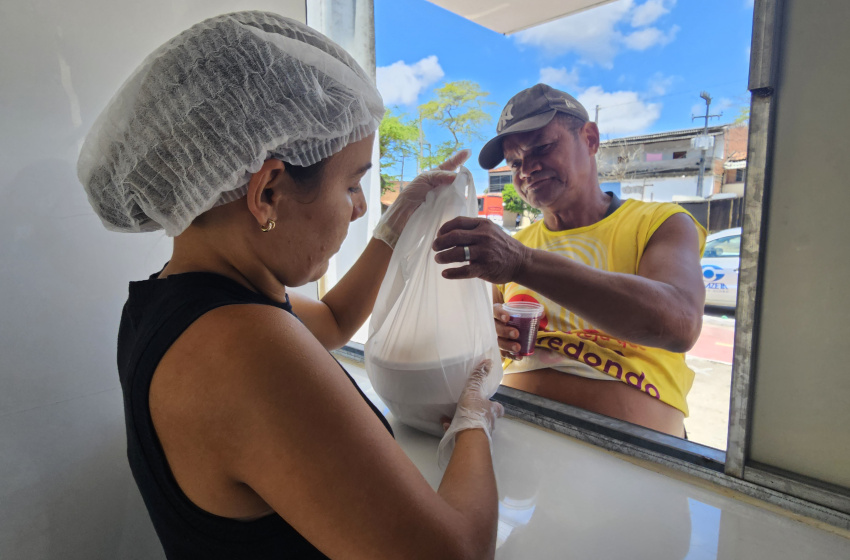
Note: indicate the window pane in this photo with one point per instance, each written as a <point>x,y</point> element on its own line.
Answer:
<point>724,247</point>
<point>646,151</point>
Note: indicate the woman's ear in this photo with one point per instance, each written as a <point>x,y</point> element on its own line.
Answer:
<point>263,197</point>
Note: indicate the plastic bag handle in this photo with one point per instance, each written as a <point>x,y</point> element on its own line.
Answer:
<point>471,196</point>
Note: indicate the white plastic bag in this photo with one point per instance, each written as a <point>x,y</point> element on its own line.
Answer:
<point>428,333</point>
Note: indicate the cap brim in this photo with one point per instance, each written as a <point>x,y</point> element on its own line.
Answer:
<point>491,154</point>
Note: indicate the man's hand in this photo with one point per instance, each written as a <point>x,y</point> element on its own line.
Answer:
<point>508,346</point>
<point>493,255</point>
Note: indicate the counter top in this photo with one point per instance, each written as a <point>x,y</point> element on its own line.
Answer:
<point>562,498</point>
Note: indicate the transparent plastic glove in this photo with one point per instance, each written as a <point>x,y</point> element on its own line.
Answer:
<point>474,410</point>
<point>392,223</point>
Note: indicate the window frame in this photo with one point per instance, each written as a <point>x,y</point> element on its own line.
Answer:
<point>741,175</point>
<point>730,469</point>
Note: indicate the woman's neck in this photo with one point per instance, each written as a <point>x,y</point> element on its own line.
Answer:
<point>193,252</point>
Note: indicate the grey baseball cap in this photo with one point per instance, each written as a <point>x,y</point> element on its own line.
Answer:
<point>530,109</point>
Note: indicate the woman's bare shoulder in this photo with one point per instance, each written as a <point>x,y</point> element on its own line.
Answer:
<point>235,350</point>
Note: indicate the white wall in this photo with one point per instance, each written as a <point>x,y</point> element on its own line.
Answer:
<point>66,487</point>
<point>664,189</point>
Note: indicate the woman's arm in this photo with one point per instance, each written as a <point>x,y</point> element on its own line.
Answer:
<point>282,418</point>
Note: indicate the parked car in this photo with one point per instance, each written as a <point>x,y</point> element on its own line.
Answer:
<point>720,264</point>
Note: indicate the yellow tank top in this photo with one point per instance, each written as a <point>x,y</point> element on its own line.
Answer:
<point>614,244</point>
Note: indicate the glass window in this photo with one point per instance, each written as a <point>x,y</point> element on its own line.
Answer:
<point>658,127</point>
<point>724,247</point>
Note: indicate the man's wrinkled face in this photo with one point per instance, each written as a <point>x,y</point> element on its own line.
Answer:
<point>549,163</point>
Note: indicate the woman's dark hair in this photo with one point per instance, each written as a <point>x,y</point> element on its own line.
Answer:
<point>308,180</point>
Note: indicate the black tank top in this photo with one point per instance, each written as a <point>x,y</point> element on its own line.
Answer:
<point>155,315</point>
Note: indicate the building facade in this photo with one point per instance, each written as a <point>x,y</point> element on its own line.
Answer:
<point>665,166</point>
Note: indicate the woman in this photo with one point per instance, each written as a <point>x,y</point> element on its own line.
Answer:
<point>245,137</point>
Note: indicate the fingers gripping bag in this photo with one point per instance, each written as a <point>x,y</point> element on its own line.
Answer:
<point>428,333</point>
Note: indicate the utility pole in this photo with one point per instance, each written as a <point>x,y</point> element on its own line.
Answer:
<point>704,147</point>
<point>596,119</point>
<point>643,189</point>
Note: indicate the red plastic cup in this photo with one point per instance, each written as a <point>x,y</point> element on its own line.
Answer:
<point>524,317</point>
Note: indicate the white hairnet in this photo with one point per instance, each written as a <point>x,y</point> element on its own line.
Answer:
<point>201,114</point>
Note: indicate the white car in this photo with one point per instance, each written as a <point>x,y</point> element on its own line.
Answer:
<point>720,264</point>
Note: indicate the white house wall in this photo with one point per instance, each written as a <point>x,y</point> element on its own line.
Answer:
<point>664,189</point>
<point>670,184</point>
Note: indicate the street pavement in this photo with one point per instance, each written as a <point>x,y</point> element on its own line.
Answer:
<point>711,361</point>
<point>716,341</point>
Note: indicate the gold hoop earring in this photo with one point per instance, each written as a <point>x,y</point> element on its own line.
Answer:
<point>269,226</point>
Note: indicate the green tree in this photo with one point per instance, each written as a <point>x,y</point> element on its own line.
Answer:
<point>459,109</point>
<point>398,144</point>
<point>743,115</point>
<point>513,203</point>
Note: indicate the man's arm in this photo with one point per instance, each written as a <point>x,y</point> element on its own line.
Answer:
<point>661,306</point>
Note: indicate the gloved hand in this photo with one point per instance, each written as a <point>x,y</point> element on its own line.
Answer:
<point>412,196</point>
<point>474,410</point>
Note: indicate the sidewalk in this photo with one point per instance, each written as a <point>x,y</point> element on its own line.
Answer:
<point>711,361</point>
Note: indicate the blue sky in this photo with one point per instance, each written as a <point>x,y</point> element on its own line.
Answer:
<point>644,62</point>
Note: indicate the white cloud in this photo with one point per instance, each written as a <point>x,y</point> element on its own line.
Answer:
<point>620,112</point>
<point>659,84</point>
<point>401,84</point>
<point>591,33</point>
<point>649,37</point>
<point>647,13</point>
<point>595,35</point>
<point>698,109</point>
<point>720,105</point>
<point>559,77</point>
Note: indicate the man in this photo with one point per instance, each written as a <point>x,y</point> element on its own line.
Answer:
<point>620,282</point>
